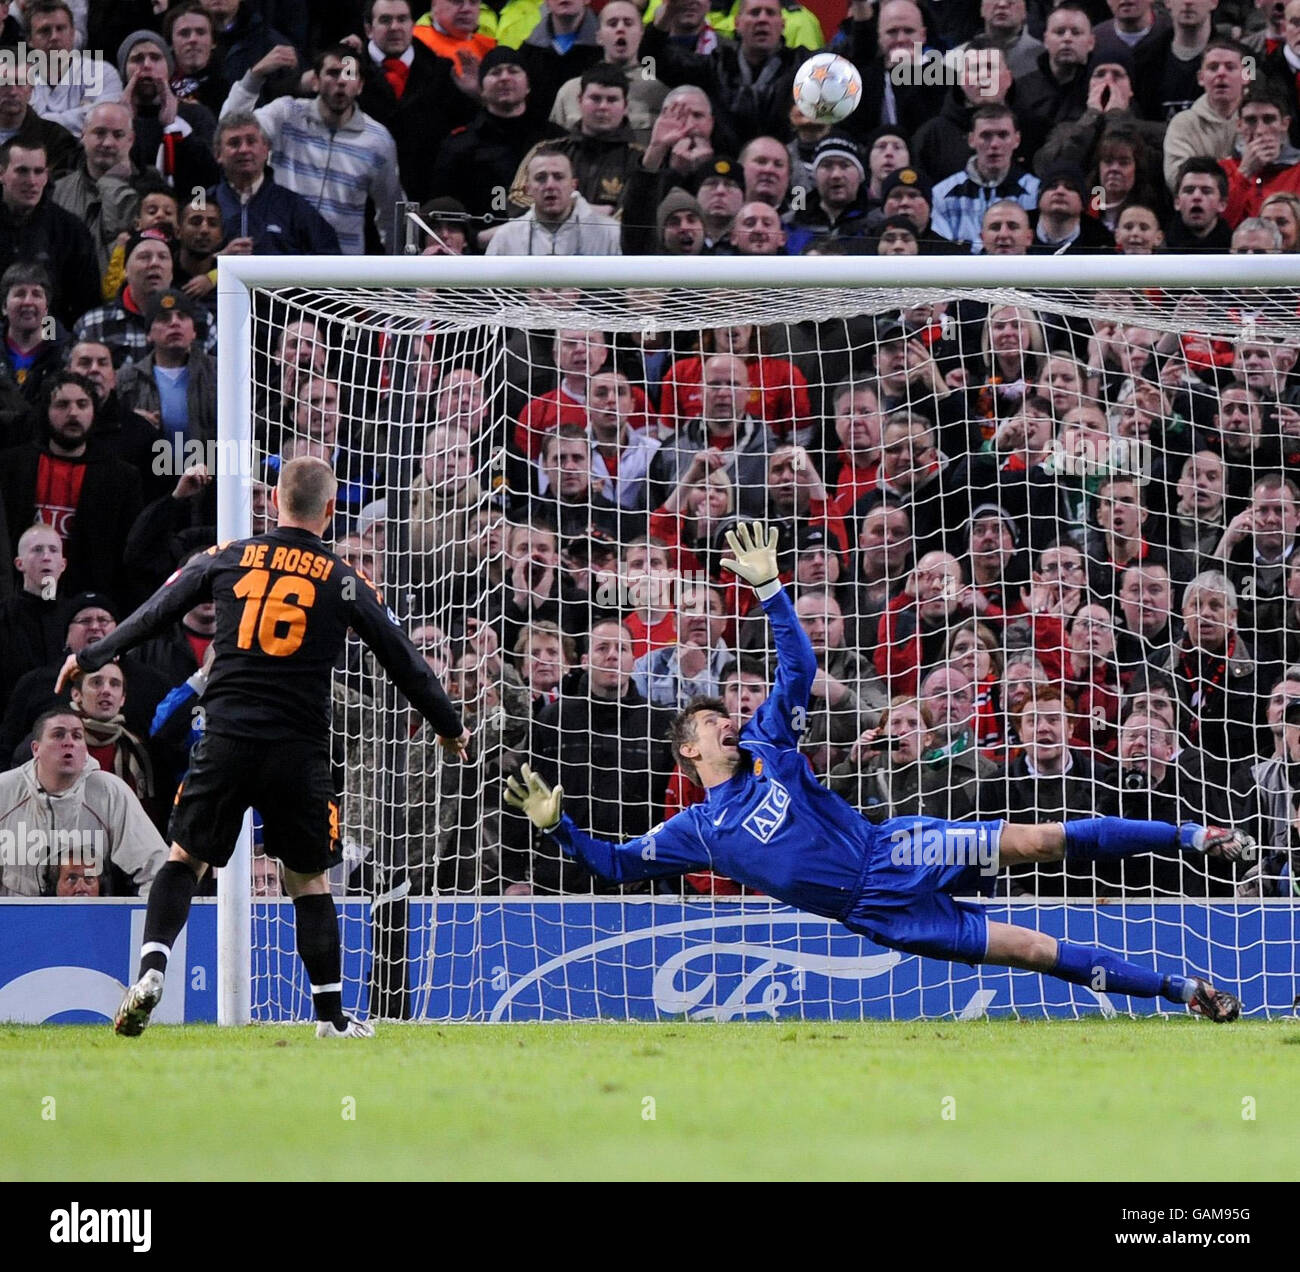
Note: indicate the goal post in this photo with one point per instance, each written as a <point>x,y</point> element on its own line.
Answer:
<point>234,520</point>
<point>747,273</point>
<point>436,923</point>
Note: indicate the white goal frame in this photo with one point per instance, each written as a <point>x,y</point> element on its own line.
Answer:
<point>238,276</point>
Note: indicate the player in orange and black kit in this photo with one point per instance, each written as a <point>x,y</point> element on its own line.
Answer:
<point>284,604</point>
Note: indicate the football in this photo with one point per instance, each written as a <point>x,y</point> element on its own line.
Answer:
<point>827,88</point>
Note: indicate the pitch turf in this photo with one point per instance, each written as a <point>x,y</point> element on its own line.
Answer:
<point>1150,1099</point>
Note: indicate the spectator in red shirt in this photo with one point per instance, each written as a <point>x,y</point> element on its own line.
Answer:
<point>1056,590</point>
<point>914,627</point>
<point>778,390</point>
<point>1268,163</point>
<point>858,426</point>
<point>1284,211</point>
<point>651,591</point>
<point>691,519</point>
<point>579,355</point>
<point>90,499</point>
<point>1094,684</point>
<point>973,648</point>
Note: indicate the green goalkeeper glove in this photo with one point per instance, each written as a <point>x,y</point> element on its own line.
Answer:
<point>540,803</point>
<point>754,549</point>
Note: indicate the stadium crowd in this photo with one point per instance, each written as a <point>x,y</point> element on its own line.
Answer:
<point>1047,563</point>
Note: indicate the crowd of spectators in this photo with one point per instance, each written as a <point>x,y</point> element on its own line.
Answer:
<point>1046,563</point>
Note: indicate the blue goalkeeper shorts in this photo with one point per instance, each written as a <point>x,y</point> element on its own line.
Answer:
<point>916,864</point>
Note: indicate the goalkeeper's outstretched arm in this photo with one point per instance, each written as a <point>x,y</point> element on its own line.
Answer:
<point>671,848</point>
<point>784,715</point>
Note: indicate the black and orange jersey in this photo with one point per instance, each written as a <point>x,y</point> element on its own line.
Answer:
<point>284,605</point>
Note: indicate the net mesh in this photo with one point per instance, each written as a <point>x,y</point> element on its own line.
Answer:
<point>1041,541</point>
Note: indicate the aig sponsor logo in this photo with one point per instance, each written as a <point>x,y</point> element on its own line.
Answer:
<point>766,819</point>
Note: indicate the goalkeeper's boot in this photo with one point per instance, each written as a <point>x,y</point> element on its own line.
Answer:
<point>1219,841</point>
<point>1214,1004</point>
<point>133,1015</point>
<point>346,1027</point>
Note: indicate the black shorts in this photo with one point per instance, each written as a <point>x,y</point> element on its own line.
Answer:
<point>289,783</point>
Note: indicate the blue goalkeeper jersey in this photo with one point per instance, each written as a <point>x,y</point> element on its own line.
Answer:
<point>773,826</point>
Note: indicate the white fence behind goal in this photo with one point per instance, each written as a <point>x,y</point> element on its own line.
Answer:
<point>965,430</point>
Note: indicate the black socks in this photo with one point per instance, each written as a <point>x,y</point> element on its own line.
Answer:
<point>169,906</point>
<point>317,927</point>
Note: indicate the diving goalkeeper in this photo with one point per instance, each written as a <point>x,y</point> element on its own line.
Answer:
<point>768,823</point>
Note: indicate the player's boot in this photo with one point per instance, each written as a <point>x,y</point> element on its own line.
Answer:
<point>1214,1004</point>
<point>1219,841</point>
<point>133,1015</point>
<point>348,1029</point>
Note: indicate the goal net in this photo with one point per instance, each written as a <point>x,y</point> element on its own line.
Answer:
<point>1038,518</point>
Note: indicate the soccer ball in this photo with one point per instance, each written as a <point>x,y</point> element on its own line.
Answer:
<point>827,88</point>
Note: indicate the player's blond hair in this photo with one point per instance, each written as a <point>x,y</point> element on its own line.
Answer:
<point>306,486</point>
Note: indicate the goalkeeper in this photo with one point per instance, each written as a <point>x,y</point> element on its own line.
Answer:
<point>768,823</point>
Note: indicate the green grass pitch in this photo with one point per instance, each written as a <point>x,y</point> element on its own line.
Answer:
<point>1091,1100</point>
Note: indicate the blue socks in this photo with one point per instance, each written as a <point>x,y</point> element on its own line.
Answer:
<point>1107,973</point>
<point>1113,838</point>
